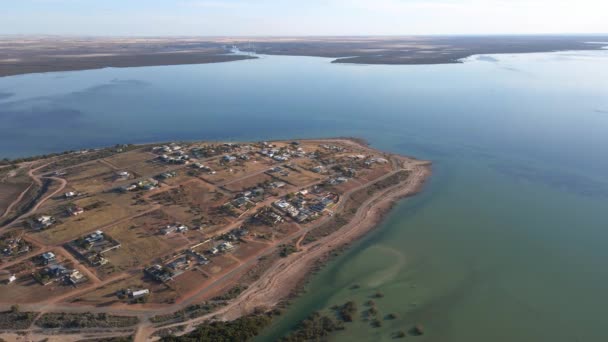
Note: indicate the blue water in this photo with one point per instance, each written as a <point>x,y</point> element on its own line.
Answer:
<point>506,243</point>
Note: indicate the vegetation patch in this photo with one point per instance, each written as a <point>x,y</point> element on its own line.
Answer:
<point>232,293</point>
<point>16,320</point>
<point>190,312</point>
<point>84,320</point>
<point>286,250</point>
<point>314,328</point>
<point>242,329</point>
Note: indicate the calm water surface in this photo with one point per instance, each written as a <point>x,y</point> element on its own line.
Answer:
<point>506,243</point>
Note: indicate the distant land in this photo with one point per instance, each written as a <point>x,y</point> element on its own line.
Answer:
<point>33,54</point>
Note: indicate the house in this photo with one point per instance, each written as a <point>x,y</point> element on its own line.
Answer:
<point>202,260</point>
<point>225,246</point>
<point>70,194</point>
<point>240,202</point>
<point>318,169</point>
<point>48,258</point>
<point>167,175</point>
<point>95,237</point>
<point>159,273</point>
<point>45,221</point>
<point>131,187</point>
<point>123,174</point>
<point>56,271</point>
<point>168,230</point>
<point>228,158</point>
<point>278,184</point>
<point>180,263</point>
<point>182,228</point>
<point>376,160</point>
<point>75,277</point>
<point>258,192</point>
<point>198,166</point>
<point>75,211</point>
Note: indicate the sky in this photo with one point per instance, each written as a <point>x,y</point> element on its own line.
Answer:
<point>306,17</point>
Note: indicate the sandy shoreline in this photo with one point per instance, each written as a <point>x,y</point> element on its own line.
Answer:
<point>294,270</point>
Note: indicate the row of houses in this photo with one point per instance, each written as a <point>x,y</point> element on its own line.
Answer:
<point>55,271</point>
<point>148,184</point>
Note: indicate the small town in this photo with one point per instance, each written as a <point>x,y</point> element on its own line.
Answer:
<point>165,226</point>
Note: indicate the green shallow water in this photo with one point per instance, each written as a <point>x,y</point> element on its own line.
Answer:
<point>468,269</point>
<point>507,242</point>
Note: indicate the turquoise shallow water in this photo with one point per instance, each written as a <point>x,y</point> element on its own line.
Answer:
<point>506,243</point>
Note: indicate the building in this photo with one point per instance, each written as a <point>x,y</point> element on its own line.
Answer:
<point>138,293</point>
<point>225,246</point>
<point>318,169</point>
<point>123,174</point>
<point>75,277</point>
<point>44,222</point>
<point>48,258</point>
<point>95,237</point>
<point>75,210</point>
<point>278,184</point>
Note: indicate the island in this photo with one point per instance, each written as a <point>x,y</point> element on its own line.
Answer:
<point>149,241</point>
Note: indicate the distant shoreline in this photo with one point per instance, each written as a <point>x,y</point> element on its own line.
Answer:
<point>31,54</point>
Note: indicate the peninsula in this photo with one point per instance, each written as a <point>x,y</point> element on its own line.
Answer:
<point>146,240</point>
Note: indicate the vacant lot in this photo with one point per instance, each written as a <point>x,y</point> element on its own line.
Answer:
<point>248,249</point>
<point>194,203</point>
<point>141,241</point>
<point>249,182</point>
<point>128,159</point>
<point>219,264</point>
<point>374,173</point>
<point>227,172</point>
<point>91,177</point>
<point>151,168</point>
<point>100,211</point>
<point>189,281</point>
<point>8,193</point>
<point>12,183</point>
<point>297,176</point>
